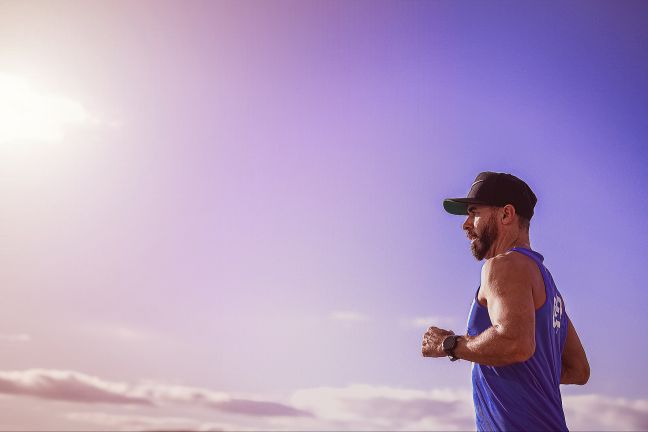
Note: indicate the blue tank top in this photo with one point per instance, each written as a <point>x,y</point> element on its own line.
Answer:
<point>523,396</point>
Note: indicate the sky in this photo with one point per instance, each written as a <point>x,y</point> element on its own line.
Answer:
<point>227,215</point>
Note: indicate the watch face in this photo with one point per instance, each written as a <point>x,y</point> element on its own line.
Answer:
<point>449,343</point>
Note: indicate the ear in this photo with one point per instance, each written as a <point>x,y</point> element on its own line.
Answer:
<point>508,214</point>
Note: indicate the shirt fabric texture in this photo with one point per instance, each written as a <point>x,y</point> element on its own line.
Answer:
<point>523,396</point>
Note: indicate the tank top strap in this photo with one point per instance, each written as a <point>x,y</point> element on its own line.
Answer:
<point>535,256</point>
<point>539,260</point>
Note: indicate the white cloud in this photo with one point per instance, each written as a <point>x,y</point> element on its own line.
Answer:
<point>162,393</point>
<point>78,387</point>
<point>361,406</point>
<point>68,386</point>
<point>354,407</point>
<point>27,113</point>
<point>601,413</point>
<point>366,407</point>
<point>348,316</point>
<point>119,332</point>
<point>15,338</point>
<point>424,322</point>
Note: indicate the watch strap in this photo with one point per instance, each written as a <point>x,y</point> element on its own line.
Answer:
<point>450,351</point>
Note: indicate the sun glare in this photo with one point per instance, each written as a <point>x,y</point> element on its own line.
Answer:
<point>27,114</point>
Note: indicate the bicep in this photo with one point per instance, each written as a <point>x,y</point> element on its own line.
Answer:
<point>510,303</point>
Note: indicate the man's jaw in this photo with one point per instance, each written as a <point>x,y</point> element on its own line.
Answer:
<point>475,246</point>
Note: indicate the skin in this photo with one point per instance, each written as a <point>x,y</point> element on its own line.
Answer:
<point>512,289</point>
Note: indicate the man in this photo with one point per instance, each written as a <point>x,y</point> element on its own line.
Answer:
<point>519,338</point>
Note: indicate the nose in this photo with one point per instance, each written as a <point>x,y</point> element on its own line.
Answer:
<point>468,224</point>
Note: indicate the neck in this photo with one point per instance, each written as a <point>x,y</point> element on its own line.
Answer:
<point>507,241</point>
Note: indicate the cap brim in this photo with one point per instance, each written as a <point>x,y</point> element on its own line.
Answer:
<point>458,206</point>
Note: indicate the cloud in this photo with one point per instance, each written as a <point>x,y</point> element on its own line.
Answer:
<point>348,316</point>
<point>67,386</point>
<point>424,322</point>
<point>219,401</point>
<point>15,338</point>
<point>77,387</point>
<point>361,406</point>
<point>119,332</point>
<point>354,407</point>
<point>130,422</point>
<point>260,408</point>
<point>597,412</point>
<point>163,394</point>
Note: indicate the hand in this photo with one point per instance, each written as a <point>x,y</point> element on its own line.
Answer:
<point>433,342</point>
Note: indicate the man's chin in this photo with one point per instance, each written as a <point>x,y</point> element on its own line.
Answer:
<point>477,251</point>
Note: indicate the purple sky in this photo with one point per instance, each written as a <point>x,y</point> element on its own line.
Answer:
<point>250,205</point>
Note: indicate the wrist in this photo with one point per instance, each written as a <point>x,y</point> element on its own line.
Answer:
<point>449,346</point>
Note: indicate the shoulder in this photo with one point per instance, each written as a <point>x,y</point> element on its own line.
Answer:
<point>506,262</point>
<point>507,267</point>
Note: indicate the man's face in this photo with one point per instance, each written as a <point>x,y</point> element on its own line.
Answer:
<point>481,229</point>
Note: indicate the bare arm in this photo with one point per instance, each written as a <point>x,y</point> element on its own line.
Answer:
<point>575,367</point>
<point>509,297</point>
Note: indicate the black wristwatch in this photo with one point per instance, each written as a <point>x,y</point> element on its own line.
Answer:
<point>449,345</point>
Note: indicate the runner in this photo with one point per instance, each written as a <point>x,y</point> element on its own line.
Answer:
<point>519,338</point>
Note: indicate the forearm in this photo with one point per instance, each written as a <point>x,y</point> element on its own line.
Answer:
<point>571,375</point>
<point>568,376</point>
<point>493,347</point>
<point>575,368</point>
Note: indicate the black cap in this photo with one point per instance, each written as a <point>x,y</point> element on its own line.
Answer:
<point>495,189</point>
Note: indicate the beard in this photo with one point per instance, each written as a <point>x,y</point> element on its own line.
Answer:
<point>482,244</point>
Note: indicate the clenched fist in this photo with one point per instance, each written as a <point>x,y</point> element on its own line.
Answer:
<point>433,342</point>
